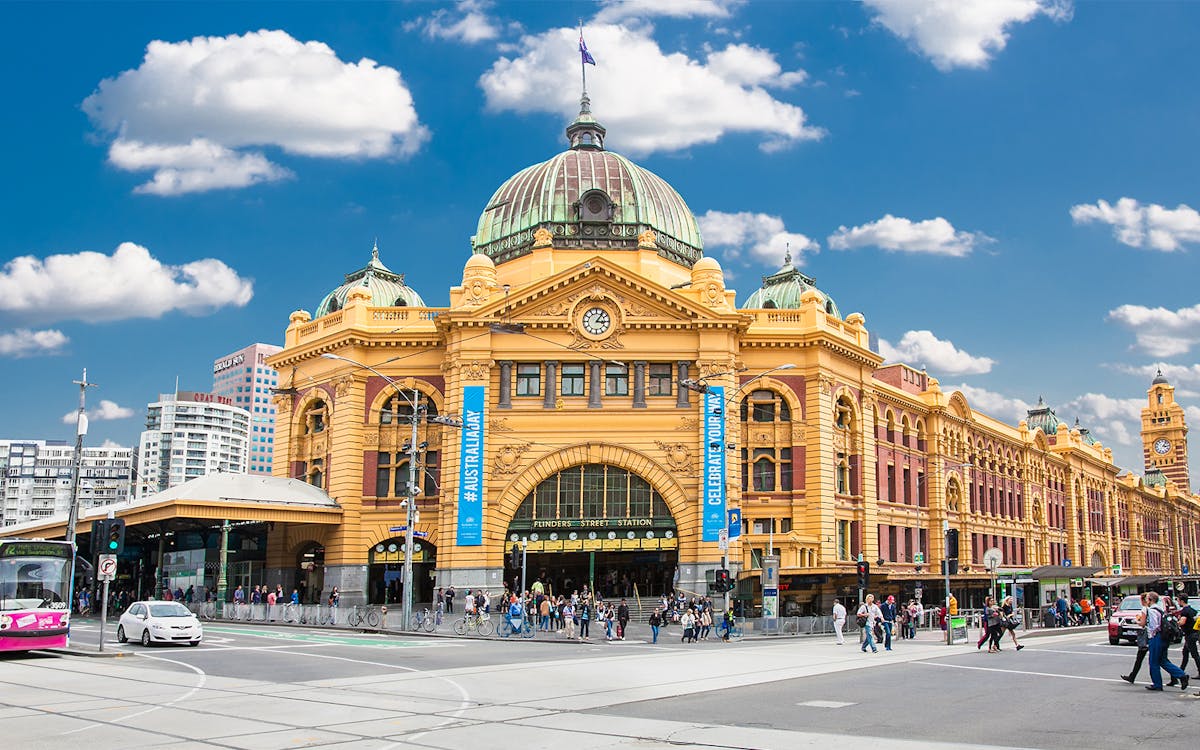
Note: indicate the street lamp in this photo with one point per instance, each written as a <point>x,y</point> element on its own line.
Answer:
<point>701,386</point>
<point>410,502</point>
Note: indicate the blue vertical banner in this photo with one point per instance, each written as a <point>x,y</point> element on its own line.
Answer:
<point>714,463</point>
<point>470,469</point>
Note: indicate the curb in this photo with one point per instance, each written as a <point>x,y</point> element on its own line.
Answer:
<point>81,652</point>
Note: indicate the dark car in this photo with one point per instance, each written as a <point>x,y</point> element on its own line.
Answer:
<point>1123,624</point>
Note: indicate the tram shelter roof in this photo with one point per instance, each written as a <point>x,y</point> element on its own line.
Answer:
<point>201,503</point>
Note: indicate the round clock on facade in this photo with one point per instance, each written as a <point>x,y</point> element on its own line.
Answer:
<point>1162,446</point>
<point>596,321</point>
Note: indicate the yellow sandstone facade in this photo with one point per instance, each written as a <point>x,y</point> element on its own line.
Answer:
<point>583,313</point>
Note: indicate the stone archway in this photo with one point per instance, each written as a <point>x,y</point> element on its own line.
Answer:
<point>1098,559</point>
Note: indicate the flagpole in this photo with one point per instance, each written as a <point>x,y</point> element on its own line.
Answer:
<point>582,63</point>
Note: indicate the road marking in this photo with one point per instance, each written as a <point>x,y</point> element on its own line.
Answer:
<point>1018,671</point>
<point>185,696</point>
<point>826,704</point>
<point>1085,653</point>
<point>337,640</point>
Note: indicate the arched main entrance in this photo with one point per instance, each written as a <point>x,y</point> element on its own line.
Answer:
<point>310,572</point>
<point>596,526</point>
<point>385,579</point>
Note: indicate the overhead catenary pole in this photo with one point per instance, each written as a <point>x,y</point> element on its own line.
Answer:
<point>81,426</point>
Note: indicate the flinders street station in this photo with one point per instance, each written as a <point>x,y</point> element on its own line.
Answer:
<point>597,403</point>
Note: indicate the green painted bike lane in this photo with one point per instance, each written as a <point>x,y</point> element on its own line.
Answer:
<point>336,640</point>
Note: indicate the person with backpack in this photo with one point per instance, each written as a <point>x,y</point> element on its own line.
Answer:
<point>1158,627</point>
<point>868,617</point>
<point>1191,633</point>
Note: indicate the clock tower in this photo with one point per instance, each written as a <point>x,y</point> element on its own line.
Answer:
<point>1164,434</point>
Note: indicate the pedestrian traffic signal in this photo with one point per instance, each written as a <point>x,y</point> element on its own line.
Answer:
<point>952,544</point>
<point>864,574</point>
<point>112,536</point>
<point>722,581</point>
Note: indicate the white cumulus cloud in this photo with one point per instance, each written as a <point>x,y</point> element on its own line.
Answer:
<point>1158,331</point>
<point>1143,225</point>
<point>894,233</point>
<point>651,100</point>
<point>620,10</point>
<point>764,236</point>
<point>105,410</point>
<point>1175,374</point>
<point>1112,421</point>
<point>468,22</point>
<point>130,283</point>
<point>25,342</point>
<point>923,349</point>
<point>961,33</point>
<point>195,111</point>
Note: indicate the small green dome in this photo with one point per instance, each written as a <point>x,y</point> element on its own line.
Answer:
<point>784,288</point>
<point>587,197</point>
<point>1044,418</point>
<point>387,288</point>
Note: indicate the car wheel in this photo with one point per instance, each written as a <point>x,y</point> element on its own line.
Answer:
<point>1114,641</point>
<point>194,643</point>
<point>121,637</point>
<point>146,637</point>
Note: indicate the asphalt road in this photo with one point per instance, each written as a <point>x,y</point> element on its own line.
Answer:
<point>253,686</point>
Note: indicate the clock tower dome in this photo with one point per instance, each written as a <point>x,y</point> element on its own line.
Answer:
<point>1164,434</point>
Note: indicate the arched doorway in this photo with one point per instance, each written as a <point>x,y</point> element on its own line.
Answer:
<point>1098,559</point>
<point>310,572</point>
<point>595,526</point>
<point>385,578</point>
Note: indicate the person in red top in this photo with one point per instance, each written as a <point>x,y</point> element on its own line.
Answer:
<point>1085,609</point>
<point>1100,605</point>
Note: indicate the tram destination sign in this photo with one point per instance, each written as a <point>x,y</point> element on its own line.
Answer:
<point>34,549</point>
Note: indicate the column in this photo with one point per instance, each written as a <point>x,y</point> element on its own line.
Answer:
<point>505,384</point>
<point>594,384</point>
<point>682,399</point>
<point>639,385</point>
<point>551,385</point>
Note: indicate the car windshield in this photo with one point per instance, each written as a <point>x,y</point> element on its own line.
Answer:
<point>1131,602</point>
<point>169,609</point>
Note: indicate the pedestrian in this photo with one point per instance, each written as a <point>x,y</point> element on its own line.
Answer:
<point>256,596</point>
<point>1060,611</point>
<point>271,599</point>
<point>655,624</point>
<point>1009,621</point>
<point>239,596</point>
<point>705,623</point>
<point>568,617</point>
<point>1187,619</point>
<point>839,621</point>
<point>984,632</point>
<point>1100,605</point>
<point>1085,610</point>
<point>914,616</point>
<point>1143,644</point>
<point>888,610</point>
<point>585,617</point>
<point>688,621</point>
<point>295,596</point>
<point>868,617</point>
<point>544,614</point>
<point>995,626</point>
<point>1158,647</point>
<point>622,619</point>
<point>450,600</point>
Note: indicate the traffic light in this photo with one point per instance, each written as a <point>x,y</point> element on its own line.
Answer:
<point>722,581</point>
<point>952,544</point>
<point>112,536</point>
<point>97,533</point>
<point>864,574</point>
<point>514,557</point>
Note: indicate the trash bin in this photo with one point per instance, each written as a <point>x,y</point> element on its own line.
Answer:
<point>1048,618</point>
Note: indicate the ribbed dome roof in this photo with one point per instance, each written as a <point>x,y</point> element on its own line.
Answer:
<point>1043,417</point>
<point>784,288</point>
<point>387,288</point>
<point>1159,379</point>
<point>587,198</point>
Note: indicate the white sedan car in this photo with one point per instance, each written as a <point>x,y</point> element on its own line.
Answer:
<point>159,622</point>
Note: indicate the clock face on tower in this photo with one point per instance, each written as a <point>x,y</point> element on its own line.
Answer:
<point>1162,446</point>
<point>596,321</point>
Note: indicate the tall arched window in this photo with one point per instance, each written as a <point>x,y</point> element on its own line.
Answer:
<point>398,409</point>
<point>593,491</point>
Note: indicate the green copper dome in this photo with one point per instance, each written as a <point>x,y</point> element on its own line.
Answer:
<point>587,198</point>
<point>784,288</point>
<point>387,288</point>
<point>1043,417</point>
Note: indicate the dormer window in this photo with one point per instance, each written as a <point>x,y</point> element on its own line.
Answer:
<point>595,205</point>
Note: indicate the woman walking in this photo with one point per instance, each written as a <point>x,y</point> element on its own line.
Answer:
<point>1009,621</point>
<point>984,631</point>
<point>995,628</point>
<point>655,624</point>
<point>1143,645</point>
<point>688,621</point>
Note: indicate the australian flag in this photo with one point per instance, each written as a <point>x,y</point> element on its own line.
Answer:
<point>583,51</point>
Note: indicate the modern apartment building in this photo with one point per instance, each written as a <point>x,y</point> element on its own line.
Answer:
<point>37,478</point>
<point>244,377</point>
<point>189,435</point>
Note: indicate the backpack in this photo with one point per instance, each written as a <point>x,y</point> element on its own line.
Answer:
<point>1172,632</point>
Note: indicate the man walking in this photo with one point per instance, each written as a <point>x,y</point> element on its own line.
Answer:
<point>839,621</point>
<point>1187,619</point>
<point>622,619</point>
<point>1158,647</point>
<point>868,615</point>
<point>889,621</point>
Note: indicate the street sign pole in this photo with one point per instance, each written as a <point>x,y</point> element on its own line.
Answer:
<point>106,570</point>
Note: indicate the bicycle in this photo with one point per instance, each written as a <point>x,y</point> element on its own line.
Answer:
<point>505,629</point>
<point>207,611</point>
<point>289,612</point>
<point>360,615</point>
<point>423,620</point>
<point>481,624</point>
<point>734,631</point>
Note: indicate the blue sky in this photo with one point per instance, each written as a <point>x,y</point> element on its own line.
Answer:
<point>1003,188</point>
